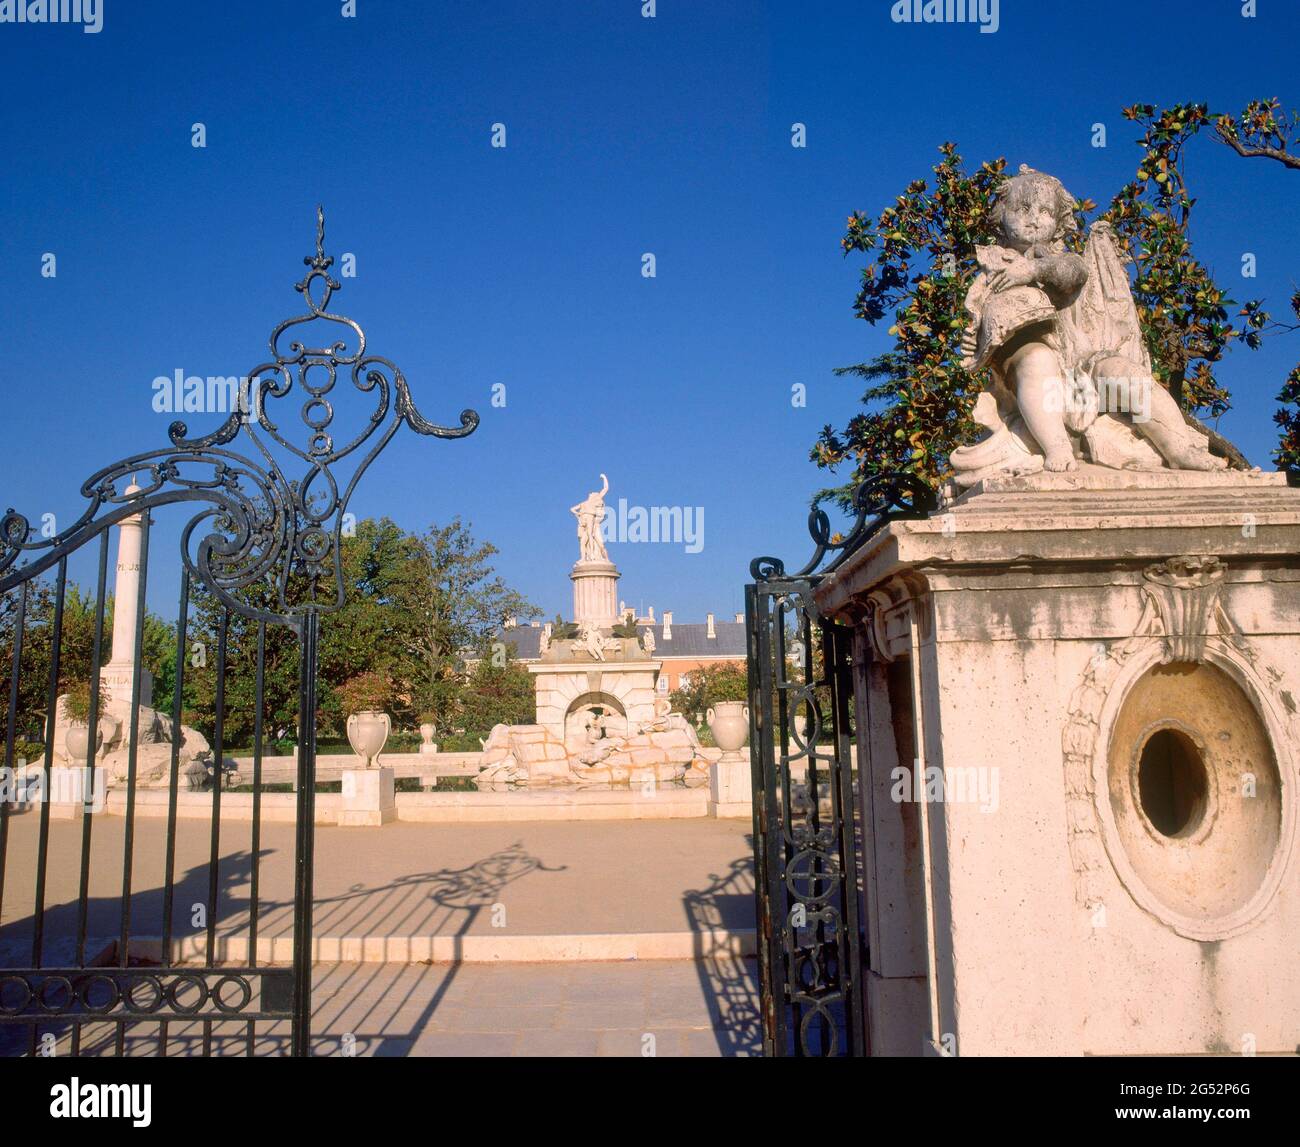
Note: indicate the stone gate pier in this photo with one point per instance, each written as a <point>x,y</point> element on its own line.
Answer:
<point>1077,711</point>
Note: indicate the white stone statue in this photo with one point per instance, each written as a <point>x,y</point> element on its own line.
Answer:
<point>590,512</point>
<point>648,641</point>
<point>1071,375</point>
<point>594,641</point>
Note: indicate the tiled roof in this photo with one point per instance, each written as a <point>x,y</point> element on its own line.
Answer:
<point>690,639</point>
<point>526,640</point>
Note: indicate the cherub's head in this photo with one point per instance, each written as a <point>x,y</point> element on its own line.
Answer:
<point>1033,209</point>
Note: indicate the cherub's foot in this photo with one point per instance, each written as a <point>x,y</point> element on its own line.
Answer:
<point>1195,457</point>
<point>1062,458</point>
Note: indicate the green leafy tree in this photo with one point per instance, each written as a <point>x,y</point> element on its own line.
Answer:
<point>496,693</point>
<point>1263,130</point>
<point>455,603</point>
<point>76,651</point>
<point>415,603</point>
<point>1287,454</point>
<point>706,686</point>
<point>1183,311</point>
<point>922,250</point>
<point>923,257</point>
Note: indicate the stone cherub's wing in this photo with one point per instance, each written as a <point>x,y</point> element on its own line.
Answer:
<point>1103,320</point>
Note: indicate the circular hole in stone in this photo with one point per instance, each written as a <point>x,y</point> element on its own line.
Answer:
<point>1172,782</point>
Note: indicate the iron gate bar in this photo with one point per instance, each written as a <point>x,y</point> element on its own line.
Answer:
<point>806,870</point>
<point>92,731</point>
<point>255,845</point>
<point>255,528</point>
<point>20,625</point>
<point>173,786</point>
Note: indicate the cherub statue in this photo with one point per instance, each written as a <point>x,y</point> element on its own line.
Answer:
<point>593,641</point>
<point>1071,375</point>
<point>590,512</point>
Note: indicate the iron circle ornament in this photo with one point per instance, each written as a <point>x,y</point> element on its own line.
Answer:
<point>155,985</point>
<point>180,983</point>
<point>58,983</point>
<point>86,989</point>
<point>245,994</point>
<point>7,1006</point>
<point>812,876</point>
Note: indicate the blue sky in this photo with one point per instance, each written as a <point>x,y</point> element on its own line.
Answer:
<point>478,266</point>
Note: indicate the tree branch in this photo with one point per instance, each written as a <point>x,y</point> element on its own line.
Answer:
<point>1284,157</point>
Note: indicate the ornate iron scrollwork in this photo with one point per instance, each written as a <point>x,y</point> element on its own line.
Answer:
<point>266,543</point>
<point>876,501</point>
<point>261,525</point>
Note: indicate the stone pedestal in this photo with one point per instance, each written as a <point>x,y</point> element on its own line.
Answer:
<point>731,786</point>
<point>369,797</point>
<point>595,593</point>
<point>116,680</point>
<point>1077,722</point>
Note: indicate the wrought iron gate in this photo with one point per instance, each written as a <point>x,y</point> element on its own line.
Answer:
<point>262,553</point>
<point>808,899</point>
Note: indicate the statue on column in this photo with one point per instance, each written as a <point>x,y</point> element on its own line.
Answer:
<point>590,512</point>
<point>1071,378</point>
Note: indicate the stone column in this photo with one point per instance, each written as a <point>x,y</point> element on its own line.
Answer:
<point>118,676</point>
<point>595,593</point>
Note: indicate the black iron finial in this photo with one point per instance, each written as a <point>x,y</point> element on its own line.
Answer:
<point>320,261</point>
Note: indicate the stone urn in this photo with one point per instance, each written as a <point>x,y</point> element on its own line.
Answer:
<point>729,723</point>
<point>427,747</point>
<point>367,732</point>
<point>77,742</point>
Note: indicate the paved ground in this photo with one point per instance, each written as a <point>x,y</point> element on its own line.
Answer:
<point>688,876</point>
<point>636,1008</point>
<point>400,880</point>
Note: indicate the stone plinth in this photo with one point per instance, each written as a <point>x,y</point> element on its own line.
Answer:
<point>1099,672</point>
<point>595,593</point>
<point>117,679</point>
<point>368,798</point>
<point>731,786</point>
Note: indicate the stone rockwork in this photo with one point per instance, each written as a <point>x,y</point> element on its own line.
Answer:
<point>664,750</point>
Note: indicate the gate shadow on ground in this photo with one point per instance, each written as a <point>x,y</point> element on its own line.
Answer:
<point>437,901</point>
<point>469,890</point>
<point>144,919</point>
<point>105,932</point>
<point>728,980</point>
